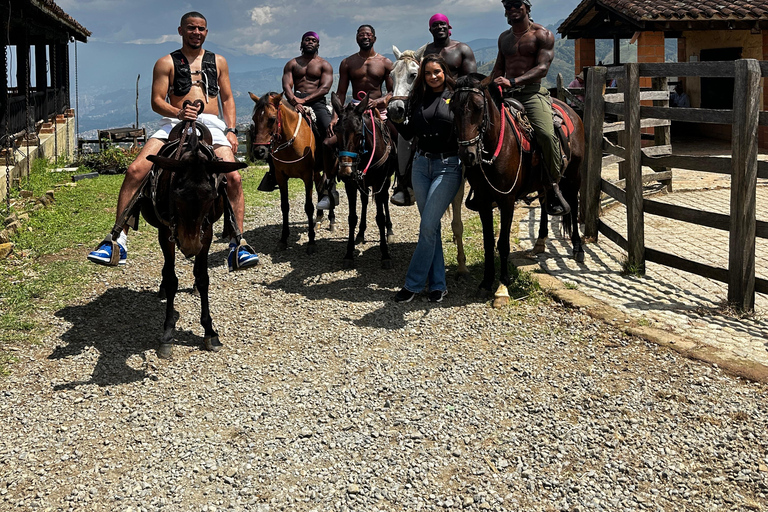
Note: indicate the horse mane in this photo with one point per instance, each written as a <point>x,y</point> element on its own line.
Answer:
<point>408,54</point>
<point>264,100</point>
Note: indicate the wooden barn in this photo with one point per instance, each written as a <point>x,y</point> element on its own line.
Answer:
<point>705,30</point>
<point>36,118</point>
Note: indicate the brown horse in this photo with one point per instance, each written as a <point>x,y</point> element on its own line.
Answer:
<point>279,129</point>
<point>367,160</point>
<point>508,174</point>
<point>182,198</point>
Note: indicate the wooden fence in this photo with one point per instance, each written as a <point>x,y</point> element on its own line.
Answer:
<point>743,165</point>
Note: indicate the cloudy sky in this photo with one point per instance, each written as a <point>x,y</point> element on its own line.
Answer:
<point>273,28</point>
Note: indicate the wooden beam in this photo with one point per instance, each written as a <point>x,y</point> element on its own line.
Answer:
<point>634,171</point>
<point>594,113</point>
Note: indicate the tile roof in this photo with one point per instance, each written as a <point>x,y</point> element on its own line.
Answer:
<point>50,7</point>
<point>644,11</point>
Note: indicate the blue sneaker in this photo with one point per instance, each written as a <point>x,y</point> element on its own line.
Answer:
<point>246,257</point>
<point>103,254</point>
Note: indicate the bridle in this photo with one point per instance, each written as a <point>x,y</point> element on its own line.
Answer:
<point>478,140</point>
<point>277,134</point>
<point>354,157</point>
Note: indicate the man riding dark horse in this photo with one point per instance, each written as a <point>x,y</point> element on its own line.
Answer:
<point>525,53</point>
<point>306,80</point>
<point>366,71</point>
<point>183,77</point>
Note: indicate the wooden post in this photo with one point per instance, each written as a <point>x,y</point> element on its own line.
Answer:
<point>661,134</point>
<point>560,87</point>
<point>741,259</point>
<point>634,170</point>
<point>594,115</point>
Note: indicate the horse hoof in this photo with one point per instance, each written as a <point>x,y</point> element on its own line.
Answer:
<point>579,256</point>
<point>165,350</point>
<point>359,239</point>
<point>539,247</point>
<point>212,343</point>
<point>500,302</point>
<point>348,264</point>
<point>462,276</point>
<point>281,246</point>
<point>390,239</point>
<point>311,249</point>
<point>161,293</point>
<point>386,264</point>
<point>195,291</point>
<point>332,227</point>
<point>483,293</point>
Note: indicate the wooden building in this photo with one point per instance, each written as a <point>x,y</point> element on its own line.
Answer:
<point>39,30</point>
<point>705,30</point>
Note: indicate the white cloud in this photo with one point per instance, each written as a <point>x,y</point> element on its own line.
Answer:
<point>262,15</point>
<point>157,40</point>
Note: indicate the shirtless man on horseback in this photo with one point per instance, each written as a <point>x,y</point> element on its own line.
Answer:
<point>461,61</point>
<point>525,53</point>
<point>367,71</point>
<point>188,74</point>
<point>306,81</point>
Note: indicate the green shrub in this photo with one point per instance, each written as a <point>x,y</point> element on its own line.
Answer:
<point>112,159</point>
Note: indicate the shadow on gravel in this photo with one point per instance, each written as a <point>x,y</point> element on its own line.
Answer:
<point>120,324</point>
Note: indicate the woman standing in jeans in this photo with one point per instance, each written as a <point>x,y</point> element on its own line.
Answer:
<point>436,174</point>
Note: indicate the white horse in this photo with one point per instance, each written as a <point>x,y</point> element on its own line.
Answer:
<point>403,74</point>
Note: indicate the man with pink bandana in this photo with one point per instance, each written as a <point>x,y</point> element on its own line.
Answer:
<point>461,61</point>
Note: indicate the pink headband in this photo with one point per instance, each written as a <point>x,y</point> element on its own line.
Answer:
<point>313,34</point>
<point>440,17</point>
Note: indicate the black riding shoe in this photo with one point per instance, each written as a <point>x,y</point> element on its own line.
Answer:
<point>555,204</point>
<point>268,182</point>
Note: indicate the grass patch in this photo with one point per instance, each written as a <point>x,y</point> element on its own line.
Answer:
<point>631,269</point>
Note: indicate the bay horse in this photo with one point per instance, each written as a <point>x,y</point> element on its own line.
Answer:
<point>508,174</point>
<point>364,139</point>
<point>183,196</point>
<point>281,130</point>
<point>404,72</point>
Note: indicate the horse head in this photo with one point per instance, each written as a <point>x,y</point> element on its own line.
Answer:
<point>265,127</point>
<point>404,72</point>
<point>350,133</point>
<point>191,194</point>
<point>471,116</point>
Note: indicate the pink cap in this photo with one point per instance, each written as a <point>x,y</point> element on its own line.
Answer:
<point>440,17</point>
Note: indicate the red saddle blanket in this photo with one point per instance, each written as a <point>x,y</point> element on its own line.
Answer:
<point>562,122</point>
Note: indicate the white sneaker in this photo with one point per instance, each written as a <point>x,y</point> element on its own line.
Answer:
<point>399,198</point>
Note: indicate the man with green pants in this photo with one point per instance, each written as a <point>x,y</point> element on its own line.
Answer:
<point>525,52</point>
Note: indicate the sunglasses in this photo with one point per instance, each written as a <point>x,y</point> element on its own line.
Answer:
<point>515,4</point>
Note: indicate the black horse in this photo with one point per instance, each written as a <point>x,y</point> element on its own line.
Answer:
<point>364,141</point>
<point>185,193</point>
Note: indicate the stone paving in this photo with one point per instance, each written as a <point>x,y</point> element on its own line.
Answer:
<point>667,298</point>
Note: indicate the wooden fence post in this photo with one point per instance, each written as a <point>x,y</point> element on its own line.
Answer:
<point>560,87</point>
<point>634,169</point>
<point>594,115</point>
<point>661,134</point>
<point>741,260</point>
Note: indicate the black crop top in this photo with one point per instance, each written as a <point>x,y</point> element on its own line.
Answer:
<point>182,77</point>
<point>432,123</point>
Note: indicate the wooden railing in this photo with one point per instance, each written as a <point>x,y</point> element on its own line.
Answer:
<point>42,106</point>
<point>743,166</point>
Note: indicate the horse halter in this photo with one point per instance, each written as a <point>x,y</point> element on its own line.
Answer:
<point>275,137</point>
<point>355,156</point>
<point>477,140</point>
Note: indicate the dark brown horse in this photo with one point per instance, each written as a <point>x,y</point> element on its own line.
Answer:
<point>499,171</point>
<point>367,160</point>
<point>279,129</point>
<point>185,193</point>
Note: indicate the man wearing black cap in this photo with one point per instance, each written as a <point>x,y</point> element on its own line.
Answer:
<point>306,81</point>
<point>525,52</point>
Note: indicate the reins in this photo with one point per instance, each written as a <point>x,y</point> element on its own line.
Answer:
<point>285,145</point>
<point>360,175</point>
<point>478,140</point>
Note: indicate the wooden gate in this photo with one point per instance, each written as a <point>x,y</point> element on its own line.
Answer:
<point>742,166</point>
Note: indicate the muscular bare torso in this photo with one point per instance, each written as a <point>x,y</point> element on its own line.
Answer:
<point>307,73</point>
<point>366,75</point>
<point>526,57</point>
<point>458,56</point>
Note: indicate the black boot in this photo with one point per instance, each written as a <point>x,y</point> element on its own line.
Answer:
<point>555,204</point>
<point>268,182</point>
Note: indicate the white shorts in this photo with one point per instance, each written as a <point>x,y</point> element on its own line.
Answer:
<point>214,124</point>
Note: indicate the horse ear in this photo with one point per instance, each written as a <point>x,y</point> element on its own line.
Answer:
<point>279,99</point>
<point>396,52</point>
<point>337,105</point>
<point>486,81</point>
<point>420,53</point>
<point>254,97</point>
<point>363,105</point>
<point>164,162</point>
<point>222,167</point>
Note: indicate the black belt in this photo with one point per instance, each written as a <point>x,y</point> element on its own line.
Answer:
<point>441,156</point>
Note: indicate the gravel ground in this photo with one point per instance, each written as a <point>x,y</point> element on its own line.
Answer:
<point>329,396</point>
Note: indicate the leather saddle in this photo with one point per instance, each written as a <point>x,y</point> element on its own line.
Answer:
<point>517,119</point>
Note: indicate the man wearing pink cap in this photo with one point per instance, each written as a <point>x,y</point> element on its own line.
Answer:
<point>461,61</point>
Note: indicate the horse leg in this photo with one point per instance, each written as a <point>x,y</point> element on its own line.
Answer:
<point>571,221</point>
<point>489,271</point>
<point>309,208</point>
<point>381,221</point>
<point>457,226</point>
<point>202,281</point>
<point>502,294</point>
<point>285,207</point>
<point>360,238</point>
<point>540,245</point>
<point>351,189</point>
<point>332,220</point>
<point>170,284</point>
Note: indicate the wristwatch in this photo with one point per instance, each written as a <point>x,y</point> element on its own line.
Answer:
<point>230,130</point>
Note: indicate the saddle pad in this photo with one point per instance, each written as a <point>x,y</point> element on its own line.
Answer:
<point>522,137</point>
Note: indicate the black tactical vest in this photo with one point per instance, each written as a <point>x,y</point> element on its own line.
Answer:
<point>182,77</point>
